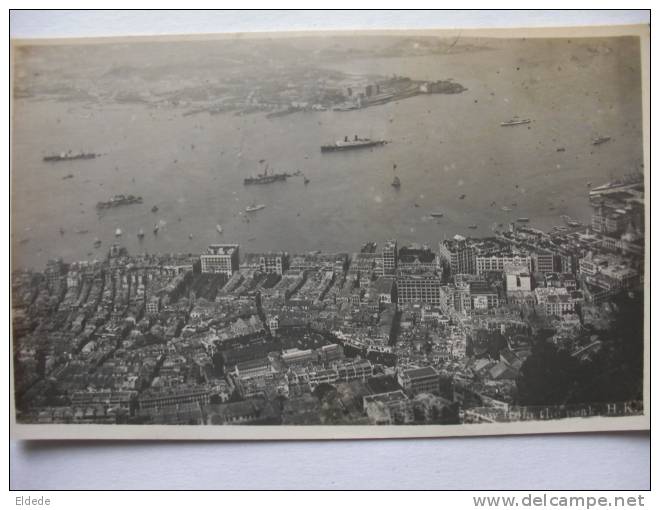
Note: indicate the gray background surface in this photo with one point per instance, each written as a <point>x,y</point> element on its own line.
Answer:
<point>579,461</point>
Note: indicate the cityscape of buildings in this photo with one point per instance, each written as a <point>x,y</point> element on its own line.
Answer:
<point>415,334</point>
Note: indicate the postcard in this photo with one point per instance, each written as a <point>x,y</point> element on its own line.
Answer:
<point>352,234</point>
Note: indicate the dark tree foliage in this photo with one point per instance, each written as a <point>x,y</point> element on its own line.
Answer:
<point>486,343</point>
<point>613,374</point>
<point>547,376</point>
<point>322,390</point>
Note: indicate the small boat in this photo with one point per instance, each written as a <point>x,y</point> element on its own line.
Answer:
<point>600,140</point>
<point>218,227</point>
<point>461,197</point>
<point>523,220</point>
<point>118,232</point>
<point>140,234</point>
<point>396,183</point>
<point>437,215</point>
<point>306,181</point>
<point>97,242</point>
<point>154,209</point>
<point>472,226</point>
<point>506,209</point>
<point>67,176</point>
<point>416,204</point>
<point>190,236</point>
<point>62,231</point>
<point>255,207</point>
<point>81,231</point>
<point>156,227</point>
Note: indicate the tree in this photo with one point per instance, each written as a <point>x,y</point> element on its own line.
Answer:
<point>546,376</point>
<point>613,374</point>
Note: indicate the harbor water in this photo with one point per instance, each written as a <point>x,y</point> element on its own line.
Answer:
<point>440,146</point>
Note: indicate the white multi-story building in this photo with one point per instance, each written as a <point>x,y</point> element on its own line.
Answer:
<point>486,263</point>
<point>458,256</point>
<point>389,257</point>
<point>517,279</point>
<point>272,263</point>
<point>419,289</point>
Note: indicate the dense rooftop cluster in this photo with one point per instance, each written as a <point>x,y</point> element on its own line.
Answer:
<point>397,335</point>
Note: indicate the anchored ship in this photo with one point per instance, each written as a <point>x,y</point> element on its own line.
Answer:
<point>355,143</point>
<point>118,200</point>
<point>396,182</point>
<point>265,178</point>
<point>515,122</point>
<point>68,156</point>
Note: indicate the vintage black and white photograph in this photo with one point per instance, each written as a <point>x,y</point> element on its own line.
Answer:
<point>330,234</point>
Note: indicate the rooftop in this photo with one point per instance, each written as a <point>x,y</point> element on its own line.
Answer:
<point>221,249</point>
<point>390,396</point>
<point>414,373</point>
